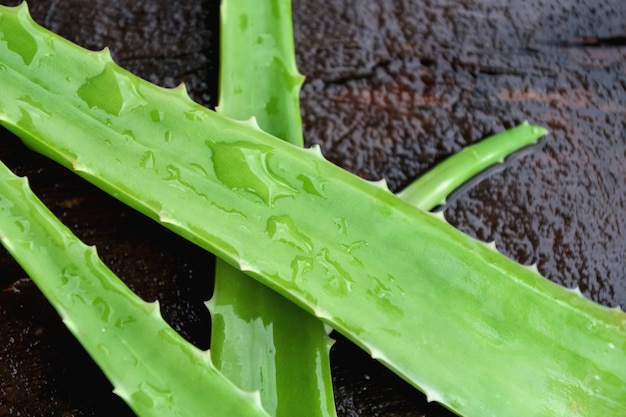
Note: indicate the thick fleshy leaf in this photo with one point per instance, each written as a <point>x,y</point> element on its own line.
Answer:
<point>474,330</point>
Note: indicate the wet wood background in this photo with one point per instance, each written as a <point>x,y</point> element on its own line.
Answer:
<point>393,86</point>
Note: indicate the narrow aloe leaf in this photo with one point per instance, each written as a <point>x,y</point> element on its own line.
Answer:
<point>151,366</point>
<point>260,340</point>
<point>280,347</point>
<point>432,188</point>
<point>258,73</point>
<point>474,330</point>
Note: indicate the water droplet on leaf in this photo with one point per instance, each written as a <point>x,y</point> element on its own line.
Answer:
<point>103,92</point>
<point>246,167</point>
<point>283,229</point>
<point>19,40</point>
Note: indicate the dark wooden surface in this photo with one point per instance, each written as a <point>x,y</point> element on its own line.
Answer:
<point>392,88</point>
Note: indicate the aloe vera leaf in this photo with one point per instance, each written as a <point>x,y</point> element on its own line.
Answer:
<point>151,366</point>
<point>266,87</point>
<point>432,188</point>
<point>258,73</point>
<point>260,340</point>
<point>474,330</point>
<point>257,330</point>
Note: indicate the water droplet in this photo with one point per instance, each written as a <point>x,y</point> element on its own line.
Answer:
<point>342,225</point>
<point>19,40</point>
<point>311,186</point>
<point>129,136</point>
<point>141,399</point>
<point>65,279</point>
<point>199,169</point>
<point>103,307</point>
<point>151,396</point>
<point>71,281</point>
<point>121,322</point>
<point>272,106</point>
<point>173,173</point>
<point>352,247</point>
<point>283,229</point>
<point>147,160</point>
<point>23,225</point>
<point>382,292</point>
<point>31,113</point>
<point>246,167</point>
<point>196,114</point>
<point>156,115</point>
<point>300,266</point>
<point>338,281</point>
<point>175,178</point>
<point>169,136</point>
<point>110,92</point>
<point>33,105</point>
<point>34,247</point>
<point>103,92</point>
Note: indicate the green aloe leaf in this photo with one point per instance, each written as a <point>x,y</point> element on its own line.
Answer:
<point>474,330</point>
<point>260,340</point>
<point>151,366</point>
<point>434,186</point>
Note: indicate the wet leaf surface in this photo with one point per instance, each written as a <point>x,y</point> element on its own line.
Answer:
<point>392,88</point>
